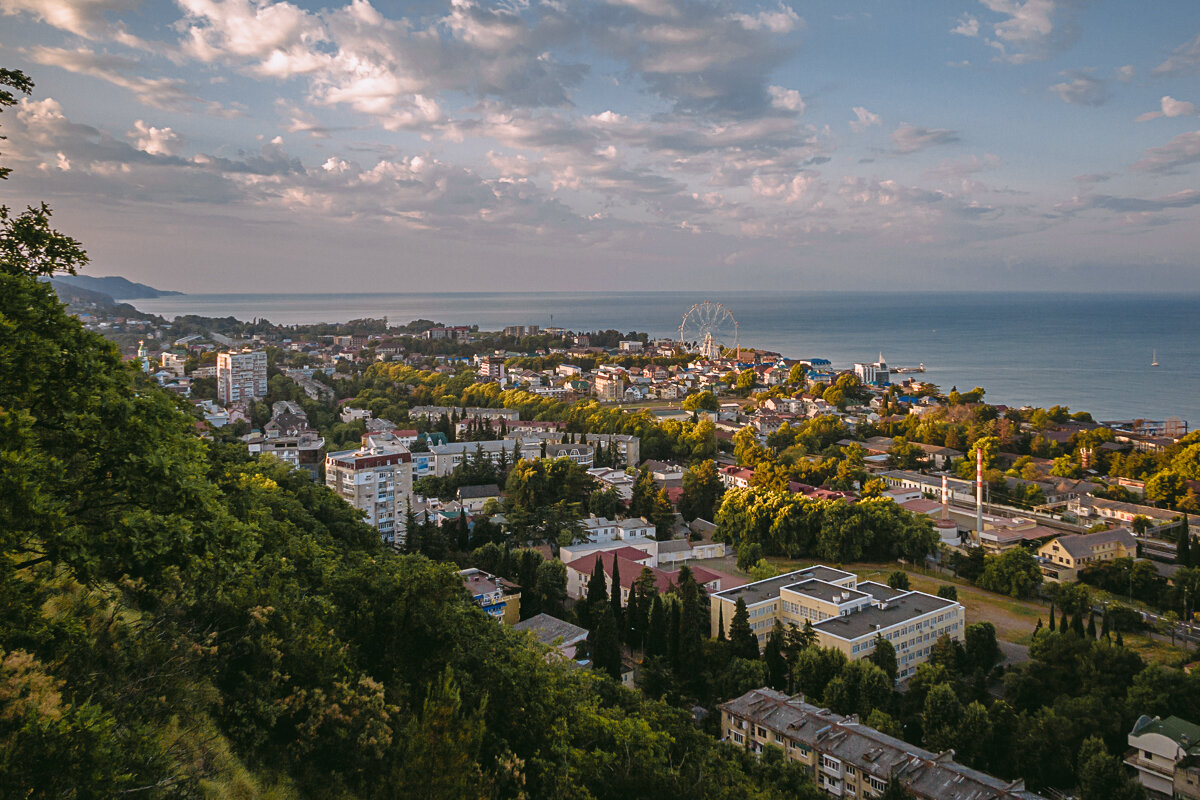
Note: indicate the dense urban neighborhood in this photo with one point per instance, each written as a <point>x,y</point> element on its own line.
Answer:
<point>898,588</point>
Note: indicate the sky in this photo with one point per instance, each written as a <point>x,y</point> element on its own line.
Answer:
<point>237,146</point>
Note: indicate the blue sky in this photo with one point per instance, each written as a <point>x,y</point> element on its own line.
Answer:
<point>226,145</point>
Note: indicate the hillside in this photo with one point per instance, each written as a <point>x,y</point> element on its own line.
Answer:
<point>114,286</point>
<point>177,620</point>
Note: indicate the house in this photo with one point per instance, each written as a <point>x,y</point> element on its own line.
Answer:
<point>1166,756</point>
<point>849,759</point>
<point>735,477</point>
<point>561,637</point>
<point>614,479</point>
<point>1004,533</point>
<point>1063,557</point>
<point>474,498</point>
<point>630,565</point>
<point>845,614</point>
<point>376,479</point>
<point>500,599</point>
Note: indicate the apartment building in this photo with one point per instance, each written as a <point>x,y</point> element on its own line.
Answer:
<point>628,447</point>
<point>846,615</point>
<point>609,386</point>
<point>846,758</point>
<point>241,377</point>
<point>301,449</point>
<point>1165,753</point>
<point>492,368</point>
<point>1061,558</point>
<point>376,478</point>
<point>500,599</point>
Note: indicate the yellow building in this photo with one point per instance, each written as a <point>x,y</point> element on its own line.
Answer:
<point>1062,558</point>
<point>845,614</point>
<point>501,599</point>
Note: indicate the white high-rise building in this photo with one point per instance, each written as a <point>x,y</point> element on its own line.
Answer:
<point>376,478</point>
<point>241,376</point>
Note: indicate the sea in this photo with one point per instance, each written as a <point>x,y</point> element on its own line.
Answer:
<point>1091,352</point>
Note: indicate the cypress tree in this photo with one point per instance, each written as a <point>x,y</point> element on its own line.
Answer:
<point>633,613</point>
<point>721,623</point>
<point>1064,624</point>
<point>1120,640</point>
<point>1053,624</point>
<point>1183,545</point>
<point>1037,627</point>
<point>691,623</point>
<point>656,635</point>
<point>741,635</point>
<point>773,654</point>
<point>673,635</point>
<point>1091,626</point>
<point>615,599</point>
<point>604,645</point>
<point>1106,626</point>
<point>1077,627</point>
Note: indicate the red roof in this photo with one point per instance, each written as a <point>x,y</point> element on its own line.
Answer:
<point>631,570</point>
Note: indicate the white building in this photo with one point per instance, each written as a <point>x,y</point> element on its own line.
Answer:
<point>241,377</point>
<point>377,480</point>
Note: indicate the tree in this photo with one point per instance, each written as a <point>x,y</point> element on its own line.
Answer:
<point>701,401</point>
<point>1102,777</point>
<point>981,651</point>
<point>898,579</point>
<point>743,642</point>
<point>1183,545</point>
<point>941,717</point>
<point>604,644</point>
<point>948,591</point>
<point>702,490</point>
<point>1014,572</point>
<point>762,570</point>
<point>884,657</point>
<point>615,598</point>
<point>774,657</point>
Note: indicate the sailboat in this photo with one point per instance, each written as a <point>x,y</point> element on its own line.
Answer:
<point>1154,363</point>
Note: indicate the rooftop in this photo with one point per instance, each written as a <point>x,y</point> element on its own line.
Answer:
<point>552,631</point>
<point>927,774</point>
<point>873,619</point>
<point>768,589</point>
<point>828,592</point>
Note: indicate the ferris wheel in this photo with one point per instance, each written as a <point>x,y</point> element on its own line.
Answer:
<point>706,328</point>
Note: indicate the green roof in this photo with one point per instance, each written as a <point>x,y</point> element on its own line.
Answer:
<point>1184,733</point>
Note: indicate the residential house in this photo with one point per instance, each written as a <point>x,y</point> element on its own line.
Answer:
<point>500,599</point>
<point>614,479</point>
<point>561,637</point>
<point>1165,753</point>
<point>474,498</point>
<point>1063,557</point>
<point>242,376</point>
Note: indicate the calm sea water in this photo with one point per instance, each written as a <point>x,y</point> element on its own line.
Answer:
<point>1090,352</point>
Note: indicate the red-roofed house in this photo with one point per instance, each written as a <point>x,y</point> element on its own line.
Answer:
<point>736,477</point>
<point>630,565</point>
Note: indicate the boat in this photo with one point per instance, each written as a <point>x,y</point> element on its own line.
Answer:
<point>1154,363</point>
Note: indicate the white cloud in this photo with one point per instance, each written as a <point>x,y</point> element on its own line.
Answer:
<point>1185,58</point>
<point>1032,30</point>
<point>967,25</point>
<point>1124,74</point>
<point>168,94</point>
<point>786,99</point>
<point>155,141</point>
<point>781,20</point>
<point>910,139</point>
<point>1081,88</point>
<point>864,119</point>
<point>1167,159</point>
<point>1170,108</point>
<point>85,18</point>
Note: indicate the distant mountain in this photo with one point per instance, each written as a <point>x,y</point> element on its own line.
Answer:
<point>80,299</point>
<point>113,286</point>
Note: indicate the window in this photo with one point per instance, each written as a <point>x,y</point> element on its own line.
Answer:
<point>850,770</point>
<point>737,737</point>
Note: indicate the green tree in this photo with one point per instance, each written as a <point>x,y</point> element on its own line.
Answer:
<point>1014,572</point>
<point>702,491</point>
<point>743,642</point>
<point>1102,777</point>
<point>604,645</point>
<point>884,657</point>
<point>898,579</point>
<point>948,591</point>
<point>940,718</point>
<point>701,401</point>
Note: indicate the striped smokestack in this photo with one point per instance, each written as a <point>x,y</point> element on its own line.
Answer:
<point>978,488</point>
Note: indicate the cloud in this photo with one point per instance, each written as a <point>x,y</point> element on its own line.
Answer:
<point>1181,151</point>
<point>1170,108</point>
<point>155,141</point>
<point>967,25</point>
<point>910,139</point>
<point>1124,74</point>
<point>864,119</point>
<point>1081,88</point>
<point>1184,199</point>
<point>956,170</point>
<point>1032,30</point>
<point>84,18</point>
<point>167,94</point>
<point>1185,58</point>
<point>786,99</point>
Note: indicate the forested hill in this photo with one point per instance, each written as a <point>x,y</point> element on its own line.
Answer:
<point>179,621</point>
<point>114,286</point>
